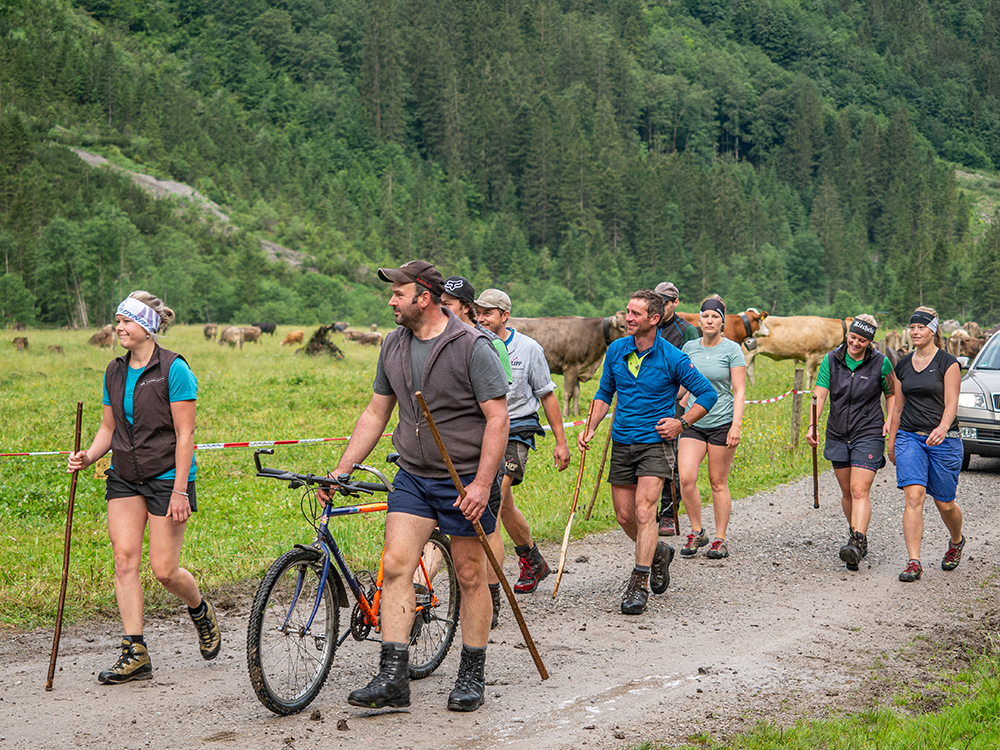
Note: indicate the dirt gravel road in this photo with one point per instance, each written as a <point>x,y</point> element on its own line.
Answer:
<point>777,631</point>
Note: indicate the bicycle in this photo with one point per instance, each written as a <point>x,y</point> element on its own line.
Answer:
<point>294,621</point>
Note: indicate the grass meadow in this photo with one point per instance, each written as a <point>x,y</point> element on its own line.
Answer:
<point>262,392</point>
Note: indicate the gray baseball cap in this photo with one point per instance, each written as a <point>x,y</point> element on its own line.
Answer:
<point>494,298</point>
<point>667,290</point>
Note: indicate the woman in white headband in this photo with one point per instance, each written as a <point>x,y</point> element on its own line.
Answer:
<point>924,441</point>
<point>855,376</point>
<point>148,424</point>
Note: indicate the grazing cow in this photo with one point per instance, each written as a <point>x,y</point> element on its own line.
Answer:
<point>104,337</point>
<point>371,339</point>
<point>738,328</point>
<point>295,337</point>
<point>341,326</point>
<point>210,330</point>
<point>251,334</point>
<point>231,335</point>
<point>806,338</point>
<point>973,329</point>
<point>265,327</point>
<point>374,327</point>
<point>352,334</point>
<point>56,349</point>
<point>574,347</point>
<point>894,340</point>
<point>21,343</point>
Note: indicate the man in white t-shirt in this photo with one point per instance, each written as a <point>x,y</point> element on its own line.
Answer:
<point>532,387</point>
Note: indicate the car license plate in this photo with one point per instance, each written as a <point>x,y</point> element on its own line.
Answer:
<point>969,433</point>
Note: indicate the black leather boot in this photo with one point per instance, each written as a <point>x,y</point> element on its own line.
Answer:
<point>390,688</point>
<point>471,683</point>
<point>851,553</point>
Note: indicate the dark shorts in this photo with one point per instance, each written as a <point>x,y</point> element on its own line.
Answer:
<point>934,467</point>
<point>156,491</point>
<point>434,498</point>
<point>515,461</point>
<point>867,453</point>
<point>629,462</point>
<point>710,435</point>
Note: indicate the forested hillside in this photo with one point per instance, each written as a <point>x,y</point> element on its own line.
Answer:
<point>794,156</point>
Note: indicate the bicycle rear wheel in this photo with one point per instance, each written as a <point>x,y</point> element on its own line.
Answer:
<point>437,608</point>
<point>287,665</point>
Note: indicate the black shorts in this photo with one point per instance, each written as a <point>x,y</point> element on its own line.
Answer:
<point>866,453</point>
<point>515,461</point>
<point>710,435</point>
<point>629,462</point>
<point>156,491</point>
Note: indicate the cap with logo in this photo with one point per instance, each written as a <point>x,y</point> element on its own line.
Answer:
<point>460,288</point>
<point>419,272</point>
<point>494,298</point>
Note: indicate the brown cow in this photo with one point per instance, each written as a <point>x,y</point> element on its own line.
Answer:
<point>954,343</point>
<point>56,349</point>
<point>374,327</point>
<point>973,329</point>
<point>341,325</point>
<point>971,347</point>
<point>20,343</point>
<point>738,328</point>
<point>352,334</point>
<point>371,339</point>
<point>806,338</point>
<point>295,337</point>
<point>231,335</point>
<point>210,330</point>
<point>894,340</point>
<point>574,347</point>
<point>251,334</point>
<point>104,337</point>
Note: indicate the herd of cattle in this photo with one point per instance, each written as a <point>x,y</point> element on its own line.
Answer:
<point>574,347</point>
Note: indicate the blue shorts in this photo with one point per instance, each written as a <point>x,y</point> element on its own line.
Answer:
<point>434,498</point>
<point>867,453</point>
<point>934,467</point>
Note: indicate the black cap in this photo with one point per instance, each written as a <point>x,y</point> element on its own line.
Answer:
<point>419,272</point>
<point>460,288</point>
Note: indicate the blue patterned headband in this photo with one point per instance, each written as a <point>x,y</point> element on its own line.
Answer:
<point>142,314</point>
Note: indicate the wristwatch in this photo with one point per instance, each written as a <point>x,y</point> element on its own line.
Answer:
<point>684,424</point>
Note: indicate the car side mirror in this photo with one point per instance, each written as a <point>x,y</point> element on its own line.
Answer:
<point>963,362</point>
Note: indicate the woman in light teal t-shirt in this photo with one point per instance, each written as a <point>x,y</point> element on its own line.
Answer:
<point>716,434</point>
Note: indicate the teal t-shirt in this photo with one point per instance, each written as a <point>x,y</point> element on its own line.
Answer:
<point>716,363</point>
<point>823,376</point>
<point>183,387</point>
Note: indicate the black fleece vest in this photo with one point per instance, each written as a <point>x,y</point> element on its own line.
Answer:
<point>855,397</point>
<point>144,449</point>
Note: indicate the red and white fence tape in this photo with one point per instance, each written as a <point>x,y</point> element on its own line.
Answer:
<point>776,399</point>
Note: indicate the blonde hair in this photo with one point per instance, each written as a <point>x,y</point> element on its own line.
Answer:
<point>717,298</point>
<point>166,314</point>
<point>938,341</point>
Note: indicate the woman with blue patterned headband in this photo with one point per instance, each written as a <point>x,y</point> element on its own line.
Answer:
<point>924,441</point>
<point>148,424</point>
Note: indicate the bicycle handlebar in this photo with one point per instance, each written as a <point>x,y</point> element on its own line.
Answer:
<point>341,484</point>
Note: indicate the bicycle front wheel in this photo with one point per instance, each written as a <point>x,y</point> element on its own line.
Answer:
<point>436,617</point>
<point>288,664</point>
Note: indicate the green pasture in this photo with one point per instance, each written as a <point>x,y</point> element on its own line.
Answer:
<point>262,392</point>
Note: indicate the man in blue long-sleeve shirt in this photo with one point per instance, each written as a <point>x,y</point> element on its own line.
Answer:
<point>645,370</point>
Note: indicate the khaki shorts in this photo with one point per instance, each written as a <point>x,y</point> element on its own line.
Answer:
<point>629,462</point>
<point>515,461</point>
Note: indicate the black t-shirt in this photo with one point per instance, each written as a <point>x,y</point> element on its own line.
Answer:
<point>924,392</point>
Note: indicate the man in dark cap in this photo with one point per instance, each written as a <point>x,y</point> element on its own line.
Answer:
<point>457,370</point>
<point>678,332</point>
<point>460,297</point>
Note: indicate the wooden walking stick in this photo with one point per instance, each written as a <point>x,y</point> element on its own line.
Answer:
<point>65,573</point>
<point>484,541</point>
<point>572,510</point>
<point>815,459</point>
<point>600,473</point>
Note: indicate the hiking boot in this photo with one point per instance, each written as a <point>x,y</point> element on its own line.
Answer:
<point>912,573</point>
<point>718,550</point>
<point>636,595</point>
<point>133,664</point>
<point>851,552</point>
<point>666,524</point>
<point>531,573</point>
<point>495,595</point>
<point>209,635</point>
<point>953,556</point>
<point>390,688</point>
<point>659,574</point>
<point>694,541</point>
<point>470,686</point>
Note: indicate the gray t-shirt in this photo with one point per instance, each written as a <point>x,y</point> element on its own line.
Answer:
<point>530,372</point>
<point>715,363</point>
<point>488,379</point>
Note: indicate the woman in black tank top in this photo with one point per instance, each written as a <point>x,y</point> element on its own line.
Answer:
<point>924,441</point>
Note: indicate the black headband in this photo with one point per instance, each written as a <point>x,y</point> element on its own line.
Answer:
<point>714,304</point>
<point>924,319</point>
<point>862,329</point>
